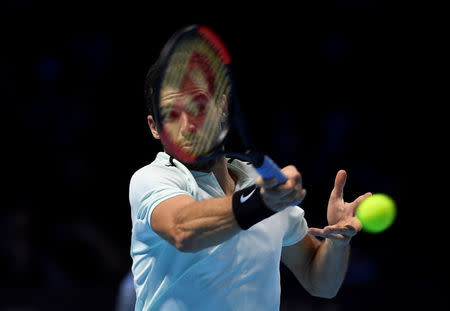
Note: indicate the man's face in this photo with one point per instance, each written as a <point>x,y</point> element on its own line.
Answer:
<point>183,116</point>
<point>192,108</point>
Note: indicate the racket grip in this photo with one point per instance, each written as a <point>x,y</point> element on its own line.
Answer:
<point>270,170</point>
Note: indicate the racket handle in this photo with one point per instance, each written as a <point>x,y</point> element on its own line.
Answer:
<point>270,170</point>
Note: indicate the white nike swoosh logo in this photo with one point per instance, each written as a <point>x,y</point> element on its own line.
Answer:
<point>245,198</point>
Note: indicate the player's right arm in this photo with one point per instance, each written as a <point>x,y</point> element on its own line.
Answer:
<point>192,225</point>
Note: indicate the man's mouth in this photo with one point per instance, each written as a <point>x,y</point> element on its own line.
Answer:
<point>186,144</point>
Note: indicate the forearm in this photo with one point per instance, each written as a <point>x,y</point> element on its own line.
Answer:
<point>192,225</point>
<point>202,224</point>
<point>328,268</point>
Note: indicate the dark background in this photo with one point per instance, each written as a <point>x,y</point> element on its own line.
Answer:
<point>352,85</point>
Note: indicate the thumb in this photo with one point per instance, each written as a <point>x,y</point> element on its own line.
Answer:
<point>358,201</point>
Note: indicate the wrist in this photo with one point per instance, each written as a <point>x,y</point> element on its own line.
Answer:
<point>338,244</point>
<point>249,207</point>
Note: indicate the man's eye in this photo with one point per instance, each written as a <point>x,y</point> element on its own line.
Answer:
<point>199,106</point>
<point>173,115</point>
<point>169,113</point>
<point>170,116</point>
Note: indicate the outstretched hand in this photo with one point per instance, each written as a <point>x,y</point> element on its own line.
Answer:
<point>342,223</point>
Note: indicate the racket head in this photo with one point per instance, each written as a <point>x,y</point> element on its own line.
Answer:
<point>193,95</point>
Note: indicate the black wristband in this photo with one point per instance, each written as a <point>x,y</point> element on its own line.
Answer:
<point>249,207</point>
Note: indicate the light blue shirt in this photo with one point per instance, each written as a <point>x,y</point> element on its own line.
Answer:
<point>241,273</point>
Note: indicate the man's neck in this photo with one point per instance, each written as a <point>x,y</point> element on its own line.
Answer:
<point>225,178</point>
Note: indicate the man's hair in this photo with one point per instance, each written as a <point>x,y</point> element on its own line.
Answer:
<point>149,86</point>
<point>149,92</point>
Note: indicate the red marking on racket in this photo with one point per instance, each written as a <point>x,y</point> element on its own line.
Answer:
<point>216,42</point>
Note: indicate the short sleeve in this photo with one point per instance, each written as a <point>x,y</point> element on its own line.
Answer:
<point>297,225</point>
<point>152,185</point>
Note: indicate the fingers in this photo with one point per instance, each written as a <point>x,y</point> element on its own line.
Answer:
<point>316,232</point>
<point>293,177</point>
<point>350,226</point>
<point>332,236</point>
<point>358,200</point>
<point>339,183</point>
<point>279,199</point>
<point>339,231</point>
<point>327,232</point>
<point>362,197</point>
<point>286,189</point>
<point>295,196</point>
<point>266,183</point>
<point>276,195</point>
<point>346,231</point>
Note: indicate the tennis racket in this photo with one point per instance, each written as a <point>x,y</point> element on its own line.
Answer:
<point>195,104</point>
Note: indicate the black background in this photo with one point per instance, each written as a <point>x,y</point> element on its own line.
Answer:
<point>324,86</point>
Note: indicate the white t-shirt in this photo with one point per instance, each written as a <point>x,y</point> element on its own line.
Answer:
<point>241,273</point>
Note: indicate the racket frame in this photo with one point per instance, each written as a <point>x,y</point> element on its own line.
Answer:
<point>235,113</point>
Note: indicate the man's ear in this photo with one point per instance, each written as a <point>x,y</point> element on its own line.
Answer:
<point>152,126</point>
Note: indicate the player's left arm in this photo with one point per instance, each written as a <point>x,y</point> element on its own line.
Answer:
<point>320,266</point>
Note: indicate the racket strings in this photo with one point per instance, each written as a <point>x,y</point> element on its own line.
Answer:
<point>214,122</point>
<point>197,62</point>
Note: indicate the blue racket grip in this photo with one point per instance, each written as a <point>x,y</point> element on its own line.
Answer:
<point>270,170</point>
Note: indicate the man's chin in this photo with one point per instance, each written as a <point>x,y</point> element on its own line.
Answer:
<point>205,166</point>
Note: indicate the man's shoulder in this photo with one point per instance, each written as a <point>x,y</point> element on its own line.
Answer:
<point>160,170</point>
<point>154,168</point>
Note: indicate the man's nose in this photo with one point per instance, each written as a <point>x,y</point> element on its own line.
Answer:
<point>186,122</point>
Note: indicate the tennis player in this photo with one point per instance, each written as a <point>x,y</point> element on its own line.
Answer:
<point>211,237</point>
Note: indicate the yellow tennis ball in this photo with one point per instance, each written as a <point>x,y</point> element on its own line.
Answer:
<point>376,213</point>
